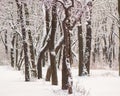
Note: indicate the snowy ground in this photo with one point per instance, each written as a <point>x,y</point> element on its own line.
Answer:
<point>100,83</point>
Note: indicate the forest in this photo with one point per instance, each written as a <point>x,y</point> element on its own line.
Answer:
<point>61,42</point>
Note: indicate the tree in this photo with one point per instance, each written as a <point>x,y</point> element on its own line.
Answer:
<point>88,40</point>
<point>47,16</point>
<point>6,42</point>
<point>12,50</point>
<point>66,71</point>
<point>52,44</point>
<point>80,44</point>
<point>25,45</point>
<point>31,47</point>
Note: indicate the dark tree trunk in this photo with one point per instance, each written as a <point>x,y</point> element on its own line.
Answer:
<point>31,47</point>
<point>52,45</point>
<point>12,51</point>
<point>43,60</point>
<point>80,44</point>
<point>66,62</point>
<point>64,73</point>
<point>49,73</point>
<point>119,35</point>
<point>46,47</point>
<point>6,45</point>
<point>25,46</point>
<point>20,60</point>
<point>32,55</point>
<point>16,50</point>
<point>88,46</point>
<point>39,65</point>
<point>47,11</point>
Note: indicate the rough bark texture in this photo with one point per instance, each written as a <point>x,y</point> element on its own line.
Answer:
<point>80,44</point>
<point>31,47</point>
<point>49,73</point>
<point>88,40</point>
<point>47,16</point>
<point>66,71</point>
<point>6,47</point>
<point>88,46</point>
<point>52,45</point>
<point>16,50</point>
<point>25,46</point>
<point>12,51</point>
<point>41,55</point>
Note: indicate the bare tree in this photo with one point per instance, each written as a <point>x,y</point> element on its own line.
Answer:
<point>25,45</point>
<point>31,47</point>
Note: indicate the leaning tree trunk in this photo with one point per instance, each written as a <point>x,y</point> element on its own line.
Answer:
<point>119,35</point>
<point>25,46</point>
<point>80,44</point>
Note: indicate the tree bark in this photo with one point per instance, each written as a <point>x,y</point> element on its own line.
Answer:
<point>31,47</point>
<point>6,45</point>
<point>12,50</point>
<point>25,46</point>
<point>80,44</point>
<point>88,39</point>
<point>16,50</point>
<point>52,45</point>
<point>88,46</point>
<point>66,62</point>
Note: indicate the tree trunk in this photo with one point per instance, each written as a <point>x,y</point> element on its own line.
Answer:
<point>88,46</point>
<point>31,47</point>
<point>6,45</point>
<point>12,51</point>
<point>66,71</point>
<point>16,50</point>
<point>47,11</point>
<point>80,44</point>
<point>52,45</point>
<point>49,73</point>
<point>25,46</point>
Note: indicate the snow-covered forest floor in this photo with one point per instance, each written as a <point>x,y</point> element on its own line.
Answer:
<point>99,83</point>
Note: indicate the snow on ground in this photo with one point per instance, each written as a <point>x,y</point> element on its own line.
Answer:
<point>99,83</point>
<point>12,84</point>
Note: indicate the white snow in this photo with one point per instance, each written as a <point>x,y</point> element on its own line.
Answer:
<point>12,84</point>
<point>99,83</point>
